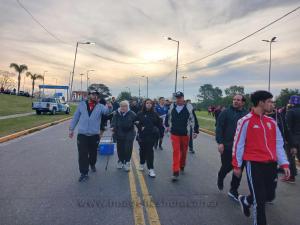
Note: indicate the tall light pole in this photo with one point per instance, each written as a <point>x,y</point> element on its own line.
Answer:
<point>171,39</point>
<point>78,43</point>
<point>44,82</point>
<point>270,61</point>
<point>87,79</point>
<point>183,77</point>
<point>147,78</point>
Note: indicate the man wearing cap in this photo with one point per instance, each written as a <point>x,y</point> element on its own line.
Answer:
<point>293,127</point>
<point>178,121</point>
<point>88,117</point>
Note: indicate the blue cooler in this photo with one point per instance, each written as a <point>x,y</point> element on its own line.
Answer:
<point>106,147</point>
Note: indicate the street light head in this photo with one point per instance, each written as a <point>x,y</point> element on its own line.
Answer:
<point>266,40</point>
<point>273,39</point>
<point>90,43</point>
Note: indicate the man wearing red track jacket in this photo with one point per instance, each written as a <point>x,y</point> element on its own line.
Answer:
<point>258,143</point>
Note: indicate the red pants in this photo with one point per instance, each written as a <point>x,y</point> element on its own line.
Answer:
<point>180,147</point>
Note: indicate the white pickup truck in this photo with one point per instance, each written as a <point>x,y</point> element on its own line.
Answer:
<point>52,105</point>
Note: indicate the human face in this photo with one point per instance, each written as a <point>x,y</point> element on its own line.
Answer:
<point>237,102</point>
<point>93,97</point>
<point>267,105</point>
<point>148,105</point>
<point>180,101</point>
<point>124,108</point>
<point>162,101</point>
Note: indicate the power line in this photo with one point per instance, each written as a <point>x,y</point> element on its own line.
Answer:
<point>244,38</point>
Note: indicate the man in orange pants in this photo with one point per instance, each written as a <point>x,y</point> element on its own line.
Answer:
<point>179,119</point>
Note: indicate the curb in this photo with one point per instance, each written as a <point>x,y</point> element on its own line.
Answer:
<point>31,130</point>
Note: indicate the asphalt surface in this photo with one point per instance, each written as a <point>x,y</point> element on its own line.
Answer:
<point>39,186</point>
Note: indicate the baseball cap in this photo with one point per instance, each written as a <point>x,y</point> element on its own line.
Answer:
<point>178,94</point>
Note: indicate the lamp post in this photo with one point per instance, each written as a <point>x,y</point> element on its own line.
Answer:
<point>87,79</point>
<point>147,78</point>
<point>183,77</point>
<point>270,61</point>
<point>176,74</point>
<point>77,44</point>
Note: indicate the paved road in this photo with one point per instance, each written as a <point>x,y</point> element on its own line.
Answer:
<point>16,115</point>
<point>39,186</point>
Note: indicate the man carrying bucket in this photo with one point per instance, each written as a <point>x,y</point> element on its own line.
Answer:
<point>88,117</point>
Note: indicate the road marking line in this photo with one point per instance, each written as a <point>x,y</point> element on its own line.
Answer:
<point>153,217</point>
<point>138,212</point>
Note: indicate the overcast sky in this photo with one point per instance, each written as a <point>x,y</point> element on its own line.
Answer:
<point>129,37</point>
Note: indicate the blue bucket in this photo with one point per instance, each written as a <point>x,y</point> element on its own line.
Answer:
<point>106,148</point>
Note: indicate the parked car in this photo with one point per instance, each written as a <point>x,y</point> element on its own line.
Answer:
<point>50,105</point>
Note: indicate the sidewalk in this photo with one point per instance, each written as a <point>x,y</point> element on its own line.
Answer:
<point>16,115</point>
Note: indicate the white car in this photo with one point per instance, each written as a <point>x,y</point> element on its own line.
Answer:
<point>52,105</point>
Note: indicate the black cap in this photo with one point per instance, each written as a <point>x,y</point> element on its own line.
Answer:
<point>178,94</point>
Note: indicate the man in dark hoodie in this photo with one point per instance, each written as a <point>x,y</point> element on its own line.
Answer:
<point>225,131</point>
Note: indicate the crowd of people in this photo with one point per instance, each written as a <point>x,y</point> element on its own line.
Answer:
<point>261,142</point>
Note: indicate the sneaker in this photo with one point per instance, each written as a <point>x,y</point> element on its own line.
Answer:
<point>192,151</point>
<point>220,184</point>
<point>127,166</point>
<point>93,168</point>
<point>175,176</point>
<point>141,167</point>
<point>290,180</point>
<point>120,165</point>
<point>234,194</point>
<point>182,170</point>
<point>270,202</point>
<point>83,177</point>
<point>161,148</point>
<point>152,173</point>
<point>245,207</point>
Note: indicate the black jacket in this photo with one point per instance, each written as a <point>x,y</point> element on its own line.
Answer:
<point>124,125</point>
<point>226,125</point>
<point>293,125</point>
<point>148,126</point>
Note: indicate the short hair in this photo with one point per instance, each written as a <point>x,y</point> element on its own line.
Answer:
<point>243,97</point>
<point>258,96</point>
<point>160,98</point>
<point>125,102</point>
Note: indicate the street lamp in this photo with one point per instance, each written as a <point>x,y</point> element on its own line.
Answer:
<point>170,39</point>
<point>147,78</point>
<point>44,82</point>
<point>183,77</point>
<point>270,61</point>
<point>87,79</point>
<point>78,43</point>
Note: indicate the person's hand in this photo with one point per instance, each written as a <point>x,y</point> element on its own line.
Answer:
<point>237,172</point>
<point>293,151</point>
<point>143,128</point>
<point>137,122</point>
<point>194,135</point>
<point>287,172</point>
<point>71,134</point>
<point>221,148</point>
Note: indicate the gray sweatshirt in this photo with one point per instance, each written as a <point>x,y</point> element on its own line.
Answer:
<point>88,124</point>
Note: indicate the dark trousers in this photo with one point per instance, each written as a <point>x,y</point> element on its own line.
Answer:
<point>292,161</point>
<point>124,149</point>
<point>146,151</point>
<point>191,144</point>
<point>226,167</point>
<point>262,182</point>
<point>87,151</point>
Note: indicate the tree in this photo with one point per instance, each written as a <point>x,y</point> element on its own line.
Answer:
<point>34,77</point>
<point>209,95</point>
<point>124,95</point>
<point>284,96</point>
<point>233,90</point>
<point>102,89</point>
<point>6,80</point>
<point>19,69</point>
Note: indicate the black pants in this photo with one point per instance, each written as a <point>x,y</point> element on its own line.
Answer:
<point>191,144</point>
<point>87,151</point>
<point>124,148</point>
<point>146,151</point>
<point>226,167</point>
<point>292,161</point>
<point>262,182</point>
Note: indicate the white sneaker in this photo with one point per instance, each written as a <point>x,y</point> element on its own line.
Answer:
<point>152,173</point>
<point>120,165</point>
<point>141,167</point>
<point>127,167</point>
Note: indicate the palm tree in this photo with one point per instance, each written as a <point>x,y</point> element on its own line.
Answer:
<point>20,69</point>
<point>34,77</point>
